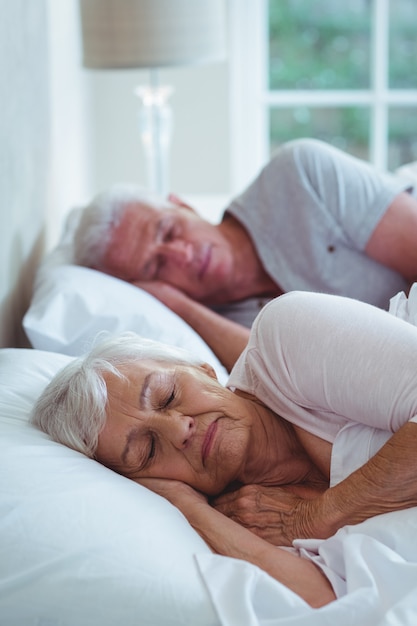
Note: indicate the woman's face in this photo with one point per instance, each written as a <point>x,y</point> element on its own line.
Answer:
<point>170,420</point>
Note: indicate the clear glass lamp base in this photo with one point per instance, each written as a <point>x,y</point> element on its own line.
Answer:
<point>155,123</point>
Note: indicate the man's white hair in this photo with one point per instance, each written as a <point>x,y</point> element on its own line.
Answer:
<point>94,229</point>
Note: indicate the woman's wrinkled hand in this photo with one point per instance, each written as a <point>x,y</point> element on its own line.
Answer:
<point>277,514</point>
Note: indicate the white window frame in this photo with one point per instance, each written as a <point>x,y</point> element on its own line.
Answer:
<point>250,98</point>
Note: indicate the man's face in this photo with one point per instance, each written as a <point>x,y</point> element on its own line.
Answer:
<point>171,244</point>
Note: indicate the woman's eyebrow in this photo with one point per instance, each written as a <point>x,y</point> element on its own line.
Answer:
<point>145,391</point>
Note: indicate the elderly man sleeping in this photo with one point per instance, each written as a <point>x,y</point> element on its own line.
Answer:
<point>315,219</point>
<point>317,422</point>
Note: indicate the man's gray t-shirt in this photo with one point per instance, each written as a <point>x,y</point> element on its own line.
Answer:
<point>310,213</point>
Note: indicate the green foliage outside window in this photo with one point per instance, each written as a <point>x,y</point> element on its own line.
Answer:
<point>319,44</point>
<point>326,45</point>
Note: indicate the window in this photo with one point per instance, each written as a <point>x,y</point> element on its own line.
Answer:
<point>342,72</point>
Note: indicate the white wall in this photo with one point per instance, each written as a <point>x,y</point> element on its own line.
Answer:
<point>70,167</point>
<point>43,165</point>
<point>24,135</point>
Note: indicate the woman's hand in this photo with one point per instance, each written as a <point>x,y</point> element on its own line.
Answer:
<point>230,539</point>
<point>277,514</point>
<point>269,512</point>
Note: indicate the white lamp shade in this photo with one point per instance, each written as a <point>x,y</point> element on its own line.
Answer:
<point>151,33</point>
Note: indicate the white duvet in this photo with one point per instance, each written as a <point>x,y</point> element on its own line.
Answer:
<point>378,560</point>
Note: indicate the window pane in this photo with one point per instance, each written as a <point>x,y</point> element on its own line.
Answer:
<point>319,45</point>
<point>346,128</point>
<point>402,136</point>
<point>403,44</point>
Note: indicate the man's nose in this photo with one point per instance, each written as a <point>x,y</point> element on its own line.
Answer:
<point>178,251</point>
<point>179,429</point>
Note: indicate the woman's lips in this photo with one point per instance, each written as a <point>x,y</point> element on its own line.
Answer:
<point>208,440</point>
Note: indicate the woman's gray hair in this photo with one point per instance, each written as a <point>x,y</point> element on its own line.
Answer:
<point>73,407</point>
<point>94,229</point>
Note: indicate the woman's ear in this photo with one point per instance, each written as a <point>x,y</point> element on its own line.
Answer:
<point>209,370</point>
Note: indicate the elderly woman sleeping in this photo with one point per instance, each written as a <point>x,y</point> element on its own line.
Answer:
<point>315,429</point>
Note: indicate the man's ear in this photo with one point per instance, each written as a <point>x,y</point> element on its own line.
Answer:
<point>209,370</point>
<point>180,203</point>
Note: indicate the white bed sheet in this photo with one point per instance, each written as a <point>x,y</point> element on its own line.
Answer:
<point>378,558</point>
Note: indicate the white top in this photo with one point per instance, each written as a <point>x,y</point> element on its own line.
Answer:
<point>310,213</point>
<point>341,369</point>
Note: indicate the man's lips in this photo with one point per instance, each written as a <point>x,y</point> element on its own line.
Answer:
<point>208,440</point>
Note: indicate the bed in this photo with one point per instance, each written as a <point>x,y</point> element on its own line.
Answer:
<point>79,544</point>
<point>82,545</point>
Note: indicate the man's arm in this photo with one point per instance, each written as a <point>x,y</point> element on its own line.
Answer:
<point>230,539</point>
<point>393,242</point>
<point>387,482</point>
<point>226,338</point>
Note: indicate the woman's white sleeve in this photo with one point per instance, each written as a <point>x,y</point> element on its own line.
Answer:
<point>341,356</point>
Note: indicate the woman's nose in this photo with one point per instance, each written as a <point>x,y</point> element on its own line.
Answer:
<point>179,429</point>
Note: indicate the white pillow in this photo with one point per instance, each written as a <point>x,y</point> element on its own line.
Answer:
<point>71,304</point>
<point>79,544</point>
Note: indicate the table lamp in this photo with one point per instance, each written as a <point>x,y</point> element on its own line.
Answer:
<point>123,34</point>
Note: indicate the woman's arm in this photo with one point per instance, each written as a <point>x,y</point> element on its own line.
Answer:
<point>230,539</point>
<point>387,482</point>
<point>226,338</point>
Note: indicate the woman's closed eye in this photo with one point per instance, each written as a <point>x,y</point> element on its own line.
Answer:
<point>138,454</point>
<point>146,454</point>
<point>152,447</point>
<point>168,399</point>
